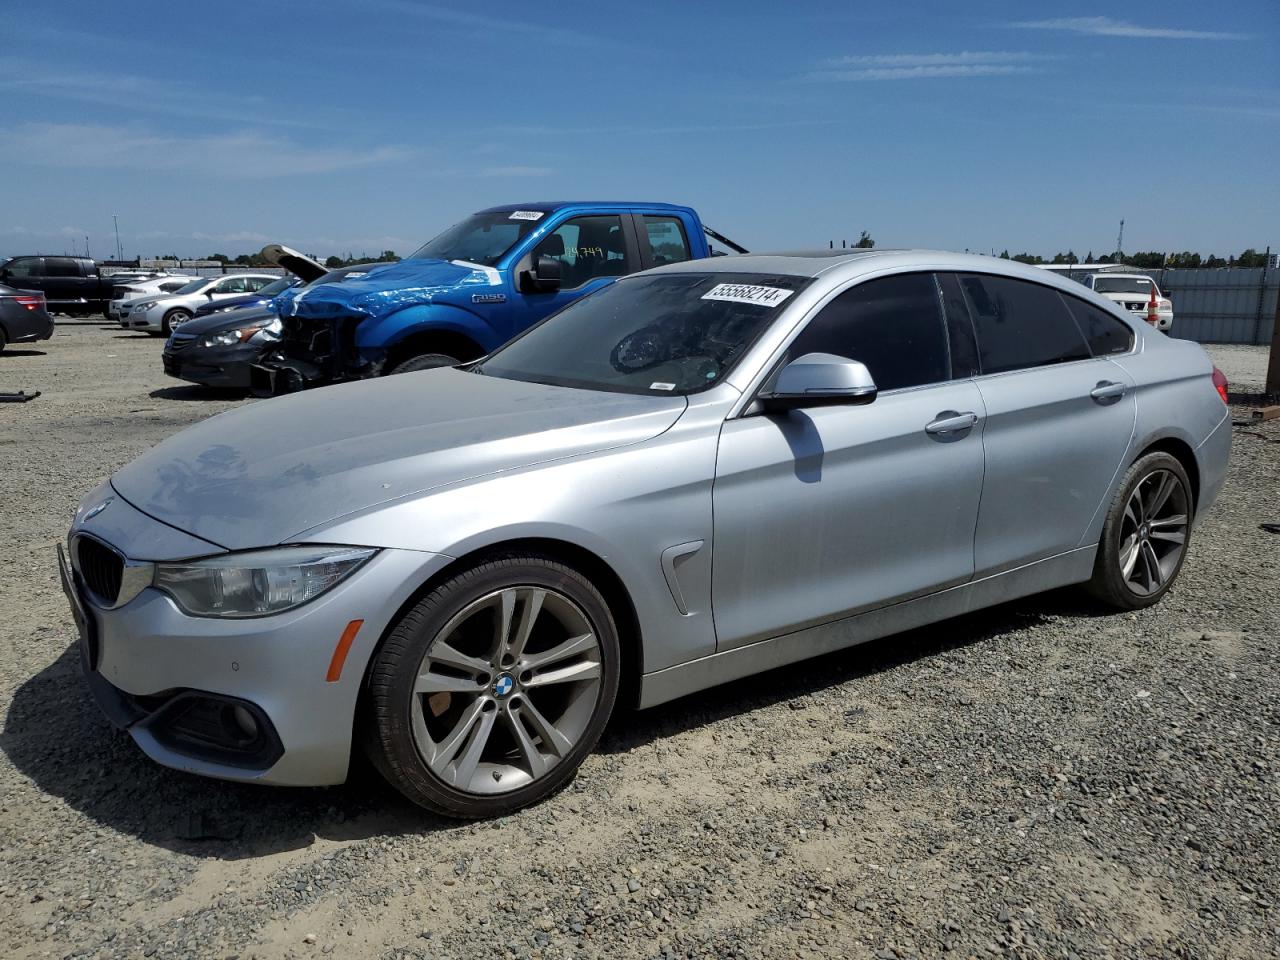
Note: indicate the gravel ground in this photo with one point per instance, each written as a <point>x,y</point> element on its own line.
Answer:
<point>1037,780</point>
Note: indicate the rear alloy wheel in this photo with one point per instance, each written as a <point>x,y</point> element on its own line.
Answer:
<point>174,318</point>
<point>489,693</point>
<point>1144,540</point>
<point>427,361</point>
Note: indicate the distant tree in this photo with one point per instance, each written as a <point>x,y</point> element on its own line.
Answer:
<point>1028,258</point>
<point>1213,260</point>
<point>1004,255</point>
<point>1068,257</point>
<point>1152,260</point>
<point>387,256</point>
<point>1251,258</point>
<point>220,257</point>
<point>333,263</point>
<point>864,242</point>
<point>1184,259</point>
<point>1089,257</point>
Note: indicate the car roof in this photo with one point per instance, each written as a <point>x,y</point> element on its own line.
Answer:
<point>547,206</point>
<point>853,262</point>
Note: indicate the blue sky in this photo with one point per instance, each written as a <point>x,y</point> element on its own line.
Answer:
<point>336,127</point>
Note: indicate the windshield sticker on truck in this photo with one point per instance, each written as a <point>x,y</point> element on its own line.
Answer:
<point>525,215</point>
<point>662,386</point>
<point>747,293</point>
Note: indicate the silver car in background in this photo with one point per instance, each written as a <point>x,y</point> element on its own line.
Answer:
<point>700,472</point>
<point>144,287</point>
<point>159,314</point>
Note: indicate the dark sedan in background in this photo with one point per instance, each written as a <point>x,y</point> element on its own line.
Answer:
<point>24,316</point>
<point>216,348</point>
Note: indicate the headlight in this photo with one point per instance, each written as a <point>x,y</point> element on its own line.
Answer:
<point>227,338</point>
<point>273,330</point>
<point>260,582</point>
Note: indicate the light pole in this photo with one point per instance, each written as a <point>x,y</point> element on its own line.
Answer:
<point>116,223</point>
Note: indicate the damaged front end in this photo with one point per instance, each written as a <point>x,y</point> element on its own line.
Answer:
<point>320,341</point>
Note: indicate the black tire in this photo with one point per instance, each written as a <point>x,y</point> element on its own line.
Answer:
<point>1109,583</point>
<point>4,340</point>
<point>386,724</point>
<point>176,316</point>
<point>426,361</point>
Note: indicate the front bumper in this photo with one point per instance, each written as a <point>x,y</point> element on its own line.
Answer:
<point>173,681</point>
<point>213,366</point>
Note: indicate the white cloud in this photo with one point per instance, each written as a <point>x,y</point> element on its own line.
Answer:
<point>516,171</point>
<point>244,155</point>
<point>1107,27</point>
<point>964,57</point>
<point>918,73</point>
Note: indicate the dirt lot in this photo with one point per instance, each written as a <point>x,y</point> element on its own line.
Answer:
<point>1036,780</point>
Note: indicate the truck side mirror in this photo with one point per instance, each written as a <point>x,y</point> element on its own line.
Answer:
<point>545,275</point>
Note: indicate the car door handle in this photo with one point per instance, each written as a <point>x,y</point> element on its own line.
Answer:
<point>951,422</point>
<point>1107,391</point>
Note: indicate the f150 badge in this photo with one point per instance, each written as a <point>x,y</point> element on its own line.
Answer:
<point>488,298</point>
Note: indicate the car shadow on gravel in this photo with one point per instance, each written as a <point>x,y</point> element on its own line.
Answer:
<point>10,352</point>
<point>197,392</point>
<point>55,734</point>
<point>629,730</point>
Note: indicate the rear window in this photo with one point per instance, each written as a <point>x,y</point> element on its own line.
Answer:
<point>1123,285</point>
<point>1020,324</point>
<point>1103,332</point>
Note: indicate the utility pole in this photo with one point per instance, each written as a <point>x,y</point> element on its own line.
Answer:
<point>86,249</point>
<point>116,223</point>
<point>1120,240</point>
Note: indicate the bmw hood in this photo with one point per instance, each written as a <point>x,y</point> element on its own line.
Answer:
<point>385,288</point>
<point>264,473</point>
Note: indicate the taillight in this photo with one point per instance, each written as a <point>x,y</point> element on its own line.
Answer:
<point>1220,384</point>
<point>31,303</point>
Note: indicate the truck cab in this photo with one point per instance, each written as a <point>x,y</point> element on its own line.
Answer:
<point>70,285</point>
<point>471,289</point>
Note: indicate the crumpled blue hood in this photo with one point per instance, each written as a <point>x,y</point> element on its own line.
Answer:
<point>385,288</point>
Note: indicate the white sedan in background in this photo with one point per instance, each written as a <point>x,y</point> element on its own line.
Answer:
<point>160,314</point>
<point>145,287</point>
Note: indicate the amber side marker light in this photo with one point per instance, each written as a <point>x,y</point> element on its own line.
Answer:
<point>341,650</point>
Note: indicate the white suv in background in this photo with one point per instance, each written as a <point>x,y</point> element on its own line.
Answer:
<point>160,314</point>
<point>1133,292</point>
<point>146,287</point>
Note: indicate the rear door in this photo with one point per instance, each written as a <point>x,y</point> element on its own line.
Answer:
<point>664,239</point>
<point>1059,420</point>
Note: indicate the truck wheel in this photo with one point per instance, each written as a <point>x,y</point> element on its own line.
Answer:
<point>173,319</point>
<point>488,694</point>
<point>427,361</point>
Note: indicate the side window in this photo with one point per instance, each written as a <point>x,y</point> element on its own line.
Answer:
<point>61,267</point>
<point>1104,333</point>
<point>254,284</point>
<point>1020,324</point>
<point>893,325</point>
<point>587,248</point>
<point>25,267</point>
<point>232,285</point>
<point>173,285</point>
<point>667,241</point>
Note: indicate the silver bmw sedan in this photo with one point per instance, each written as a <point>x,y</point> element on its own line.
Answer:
<point>700,472</point>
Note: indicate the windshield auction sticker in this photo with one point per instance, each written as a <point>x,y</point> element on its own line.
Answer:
<point>747,293</point>
<point>526,215</point>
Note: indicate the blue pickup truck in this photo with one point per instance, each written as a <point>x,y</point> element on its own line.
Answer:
<point>469,290</point>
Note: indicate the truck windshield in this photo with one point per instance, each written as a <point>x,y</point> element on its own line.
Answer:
<point>1122,285</point>
<point>482,238</point>
<point>668,334</point>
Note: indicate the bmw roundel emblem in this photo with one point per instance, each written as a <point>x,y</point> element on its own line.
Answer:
<point>503,685</point>
<point>93,512</point>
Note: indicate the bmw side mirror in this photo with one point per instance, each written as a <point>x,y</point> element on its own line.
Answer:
<point>545,275</point>
<point>820,379</point>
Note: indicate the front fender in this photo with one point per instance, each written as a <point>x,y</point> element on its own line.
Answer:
<point>382,333</point>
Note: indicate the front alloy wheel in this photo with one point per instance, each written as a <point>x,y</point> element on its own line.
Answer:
<point>489,693</point>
